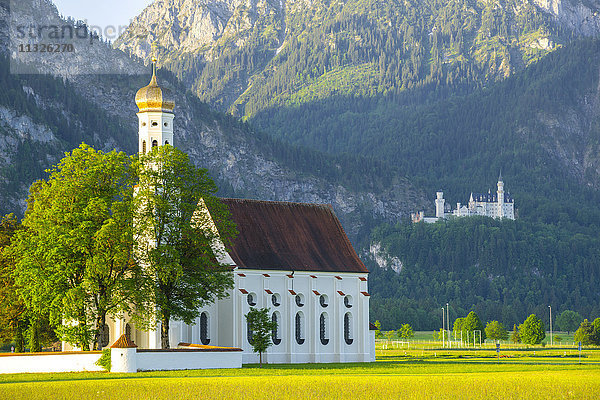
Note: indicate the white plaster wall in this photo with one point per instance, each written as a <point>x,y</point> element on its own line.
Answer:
<point>312,350</point>
<point>123,360</point>
<point>70,362</point>
<point>227,323</point>
<point>169,360</point>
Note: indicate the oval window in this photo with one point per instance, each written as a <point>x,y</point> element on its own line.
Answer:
<point>323,301</point>
<point>348,301</point>
<point>276,299</point>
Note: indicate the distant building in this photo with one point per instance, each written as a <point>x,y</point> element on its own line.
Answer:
<point>495,205</point>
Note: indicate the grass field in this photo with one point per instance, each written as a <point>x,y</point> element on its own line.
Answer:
<point>398,373</point>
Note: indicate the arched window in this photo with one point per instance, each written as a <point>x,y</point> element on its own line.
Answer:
<point>299,300</point>
<point>154,143</point>
<point>348,328</point>
<point>348,301</point>
<point>276,299</point>
<point>105,336</point>
<point>324,329</point>
<point>249,332</point>
<point>204,329</point>
<point>166,142</point>
<point>299,327</point>
<point>144,147</point>
<point>251,299</point>
<point>323,301</point>
<point>275,334</point>
<point>128,331</point>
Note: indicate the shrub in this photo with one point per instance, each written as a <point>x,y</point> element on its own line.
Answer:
<point>104,360</point>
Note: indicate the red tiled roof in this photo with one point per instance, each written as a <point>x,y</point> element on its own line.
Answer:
<point>341,293</point>
<point>268,291</point>
<point>316,292</point>
<point>365,294</point>
<point>362,278</point>
<point>338,277</point>
<point>290,236</point>
<point>124,342</point>
<point>292,292</point>
<point>244,291</point>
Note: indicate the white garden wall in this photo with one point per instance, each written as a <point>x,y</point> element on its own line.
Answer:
<point>151,360</point>
<point>123,360</point>
<point>50,362</point>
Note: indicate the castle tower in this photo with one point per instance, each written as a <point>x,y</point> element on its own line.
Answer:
<point>500,197</point>
<point>439,204</point>
<point>156,114</point>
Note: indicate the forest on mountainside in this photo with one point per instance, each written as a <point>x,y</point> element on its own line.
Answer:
<point>298,54</point>
<point>502,269</point>
<point>461,144</point>
<point>56,104</point>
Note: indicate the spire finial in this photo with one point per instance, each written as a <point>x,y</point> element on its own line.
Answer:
<point>500,176</point>
<point>154,60</point>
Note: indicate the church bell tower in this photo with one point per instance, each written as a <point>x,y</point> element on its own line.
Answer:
<point>155,114</point>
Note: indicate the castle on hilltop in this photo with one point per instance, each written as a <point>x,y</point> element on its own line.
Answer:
<point>495,205</point>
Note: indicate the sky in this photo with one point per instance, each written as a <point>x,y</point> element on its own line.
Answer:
<point>109,15</point>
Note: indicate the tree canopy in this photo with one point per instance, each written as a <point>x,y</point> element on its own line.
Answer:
<point>182,231</point>
<point>496,331</point>
<point>260,324</point>
<point>569,320</point>
<point>74,255</point>
<point>532,331</point>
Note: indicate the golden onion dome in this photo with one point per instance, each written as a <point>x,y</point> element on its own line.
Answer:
<point>153,97</point>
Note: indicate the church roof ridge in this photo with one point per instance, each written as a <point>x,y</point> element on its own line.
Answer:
<point>280,202</point>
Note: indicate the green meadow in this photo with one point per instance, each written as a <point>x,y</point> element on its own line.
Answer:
<point>415,373</point>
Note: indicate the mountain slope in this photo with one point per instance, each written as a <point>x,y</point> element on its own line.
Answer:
<point>43,117</point>
<point>249,55</point>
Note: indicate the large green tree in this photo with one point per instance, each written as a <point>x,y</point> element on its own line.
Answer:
<point>179,243</point>
<point>260,325</point>
<point>473,326</point>
<point>13,313</point>
<point>74,255</point>
<point>596,334</point>
<point>496,331</point>
<point>586,333</point>
<point>532,330</point>
<point>569,320</point>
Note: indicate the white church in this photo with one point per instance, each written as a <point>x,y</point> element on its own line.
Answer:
<point>495,205</point>
<point>290,257</point>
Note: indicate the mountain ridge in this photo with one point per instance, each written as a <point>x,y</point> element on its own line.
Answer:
<point>245,162</point>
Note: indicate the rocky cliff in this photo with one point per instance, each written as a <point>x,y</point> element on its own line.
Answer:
<point>235,155</point>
